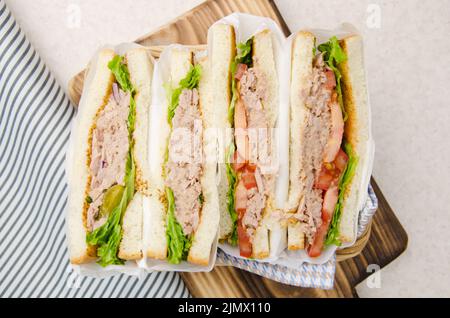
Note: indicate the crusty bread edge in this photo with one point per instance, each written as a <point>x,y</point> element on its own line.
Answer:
<point>357,130</point>
<point>180,60</point>
<point>140,66</point>
<point>264,62</point>
<point>301,72</point>
<point>222,45</point>
<point>205,236</point>
<point>96,93</point>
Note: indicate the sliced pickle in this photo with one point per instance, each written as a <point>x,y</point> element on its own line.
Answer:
<point>111,199</point>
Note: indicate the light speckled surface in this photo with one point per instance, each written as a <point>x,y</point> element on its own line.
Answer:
<point>408,70</point>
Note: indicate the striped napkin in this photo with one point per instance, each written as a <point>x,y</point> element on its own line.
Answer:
<point>35,117</point>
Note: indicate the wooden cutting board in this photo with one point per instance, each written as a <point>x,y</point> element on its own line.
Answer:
<point>388,238</point>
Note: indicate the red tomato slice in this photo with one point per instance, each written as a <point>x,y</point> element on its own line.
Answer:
<point>251,167</point>
<point>240,115</point>
<point>240,131</point>
<point>341,161</point>
<point>329,203</point>
<point>331,80</point>
<point>238,162</point>
<point>331,172</point>
<point>315,249</point>
<point>325,179</point>
<point>245,246</point>
<point>241,68</point>
<point>249,180</point>
<point>241,198</point>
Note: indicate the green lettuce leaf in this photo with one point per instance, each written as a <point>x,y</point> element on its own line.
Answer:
<point>108,236</point>
<point>120,71</point>
<point>178,243</point>
<point>344,181</point>
<point>234,97</point>
<point>244,55</point>
<point>333,56</point>
<point>232,178</point>
<point>189,82</point>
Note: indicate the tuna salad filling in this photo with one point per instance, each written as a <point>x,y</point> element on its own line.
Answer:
<point>110,146</point>
<point>111,168</point>
<point>316,136</point>
<point>257,186</point>
<point>328,161</point>
<point>184,167</point>
<point>252,153</point>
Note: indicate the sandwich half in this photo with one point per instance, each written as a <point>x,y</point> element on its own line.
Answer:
<point>184,203</point>
<point>328,139</point>
<point>108,168</point>
<point>246,88</point>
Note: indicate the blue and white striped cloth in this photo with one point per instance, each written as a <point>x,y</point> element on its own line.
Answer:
<point>306,275</point>
<point>34,130</point>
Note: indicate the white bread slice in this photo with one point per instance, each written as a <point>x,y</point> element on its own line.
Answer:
<point>264,62</point>
<point>207,229</point>
<point>260,244</point>
<point>301,72</point>
<point>296,237</point>
<point>95,97</point>
<point>223,51</point>
<point>180,63</point>
<point>131,244</point>
<point>355,96</point>
<point>157,243</point>
<point>140,67</point>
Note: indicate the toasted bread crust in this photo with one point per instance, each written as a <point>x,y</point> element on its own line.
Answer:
<point>356,132</point>
<point>261,255</point>
<point>129,256</point>
<point>296,237</point>
<point>351,125</point>
<point>264,61</point>
<point>95,99</point>
<point>89,149</point>
<point>82,259</point>
<point>98,94</point>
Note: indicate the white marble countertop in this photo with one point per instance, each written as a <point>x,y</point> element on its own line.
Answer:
<point>407,45</point>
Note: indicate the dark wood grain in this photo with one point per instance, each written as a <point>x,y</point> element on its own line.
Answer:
<point>388,238</point>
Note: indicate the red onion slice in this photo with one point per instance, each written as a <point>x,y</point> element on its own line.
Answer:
<point>116,94</point>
